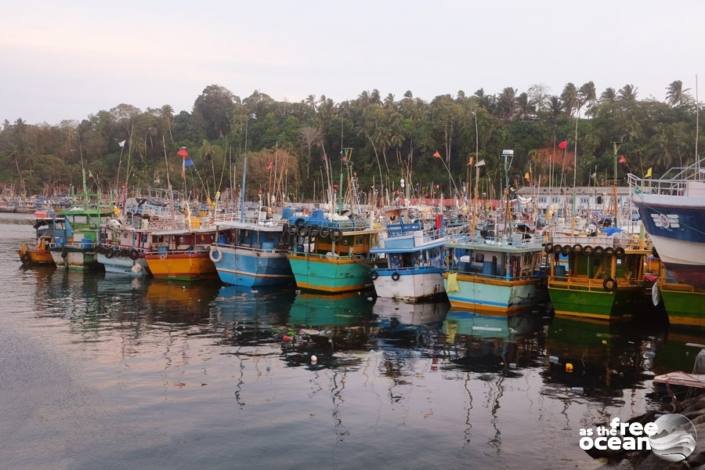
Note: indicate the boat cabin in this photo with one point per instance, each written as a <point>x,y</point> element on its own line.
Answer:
<point>182,241</point>
<point>252,236</point>
<point>500,261</point>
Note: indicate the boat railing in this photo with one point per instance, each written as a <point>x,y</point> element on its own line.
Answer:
<point>198,250</point>
<point>499,277</point>
<point>585,240</point>
<point>329,255</point>
<point>567,281</point>
<point>661,186</point>
<point>252,249</point>
<point>85,244</point>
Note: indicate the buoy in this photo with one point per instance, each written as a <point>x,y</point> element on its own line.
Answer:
<point>569,367</point>
<point>314,359</point>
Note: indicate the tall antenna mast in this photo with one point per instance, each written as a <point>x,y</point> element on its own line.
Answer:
<point>697,130</point>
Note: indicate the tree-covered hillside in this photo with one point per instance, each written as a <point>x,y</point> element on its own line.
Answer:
<point>390,137</point>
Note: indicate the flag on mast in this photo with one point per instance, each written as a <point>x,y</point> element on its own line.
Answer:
<point>437,155</point>
<point>563,144</point>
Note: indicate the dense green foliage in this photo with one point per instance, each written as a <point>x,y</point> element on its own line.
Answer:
<point>390,138</point>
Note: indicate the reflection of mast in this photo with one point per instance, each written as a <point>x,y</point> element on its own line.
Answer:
<point>468,424</point>
<point>337,399</point>
<point>496,442</point>
<point>240,382</point>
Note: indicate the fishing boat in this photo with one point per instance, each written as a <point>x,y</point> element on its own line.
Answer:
<point>495,276</point>
<point>672,209</point>
<point>181,254</point>
<point>123,248</point>
<point>409,262</point>
<point>600,277</point>
<point>37,253</point>
<point>252,253</point>
<point>75,237</point>
<point>331,252</point>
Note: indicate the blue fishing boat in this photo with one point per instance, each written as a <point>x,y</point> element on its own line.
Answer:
<point>409,262</point>
<point>495,276</point>
<point>251,254</point>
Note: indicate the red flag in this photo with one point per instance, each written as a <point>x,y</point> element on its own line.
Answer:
<point>622,160</point>
<point>436,155</point>
<point>563,144</point>
<point>270,165</point>
<point>183,153</point>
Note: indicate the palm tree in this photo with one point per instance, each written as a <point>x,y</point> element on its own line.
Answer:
<point>676,95</point>
<point>608,96</point>
<point>569,97</point>
<point>628,92</point>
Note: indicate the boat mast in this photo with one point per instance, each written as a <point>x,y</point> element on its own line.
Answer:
<point>697,130</point>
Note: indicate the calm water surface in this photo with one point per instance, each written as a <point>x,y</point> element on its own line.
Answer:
<point>97,372</point>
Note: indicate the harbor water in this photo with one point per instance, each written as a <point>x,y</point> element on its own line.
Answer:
<point>101,372</point>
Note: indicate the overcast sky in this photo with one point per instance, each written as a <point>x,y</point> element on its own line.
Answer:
<point>67,59</point>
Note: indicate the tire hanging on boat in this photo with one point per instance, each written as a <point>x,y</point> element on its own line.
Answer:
<point>374,275</point>
<point>215,255</point>
<point>556,249</point>
<point>548,247</point>
<point>599,250</point>
<point>325,233</point>
<point>395,276</point>
<point>609,284</point>
<point>566,250</point>
<point>619,251</point>
<point>587,250</point>
<point>577,248</point>
<point>134,254</point>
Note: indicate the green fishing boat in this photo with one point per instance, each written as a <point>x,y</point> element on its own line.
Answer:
<point>76,236</point>
<point>599,277</point>
<point>684,303</point>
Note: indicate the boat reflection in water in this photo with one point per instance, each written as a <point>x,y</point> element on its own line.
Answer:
<point>486,343</point>
<point>404,324</point>
<point>325,325</point>
<point>596,359</point>
<point>250,317</point>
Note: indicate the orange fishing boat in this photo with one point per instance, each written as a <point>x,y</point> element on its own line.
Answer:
<point>38,253</point>
<point>181,254</point>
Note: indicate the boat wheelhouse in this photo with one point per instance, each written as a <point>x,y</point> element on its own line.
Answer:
<point>409,262</point>
<point>252,253</point>
<point>331,253</point>
<point>181,254</point>
<point>75,237</point>
<point>600,277</point>
<point>495,276</point>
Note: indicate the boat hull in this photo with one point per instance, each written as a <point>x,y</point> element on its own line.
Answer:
<point>412,285</point>
<point>74,258</point>
<point>181,266</point>
<point>249,268</point>
<point>334,274</point>
<point>683,305</point>
<point>599,304</point>
<point>123,265</point>
<point>35,256</point>
<point>494,295</point>
<point>672,222</point>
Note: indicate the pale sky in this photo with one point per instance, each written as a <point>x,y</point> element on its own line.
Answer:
<point>67,59</point>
